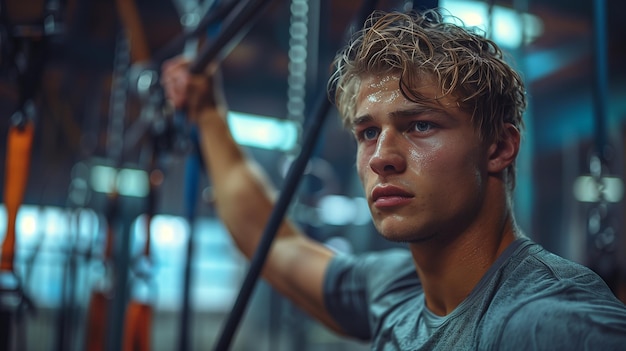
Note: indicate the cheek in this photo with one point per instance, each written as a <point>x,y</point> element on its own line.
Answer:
<point>421,159</point>
<point>445,160</point>
<point>361,164</point>
<point>428,156</point>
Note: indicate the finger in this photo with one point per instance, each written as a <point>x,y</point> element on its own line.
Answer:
<point>175,92</point>
<point>170,68</point>
<point>175,79</point>
<point>174,62</point>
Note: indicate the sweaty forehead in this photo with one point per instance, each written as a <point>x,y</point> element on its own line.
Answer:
<point>371,85</point>
<point>380,81</point>
<point>380,89</point>
<point>381,92</point>
<point>376,89</point>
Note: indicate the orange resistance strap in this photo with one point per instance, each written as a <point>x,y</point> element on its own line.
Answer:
<point>138,323</point>
<point>97,314</point>
<point>19,146</point>
<point>138,318</point>
<point>97,321</point>
<point>129,15</point>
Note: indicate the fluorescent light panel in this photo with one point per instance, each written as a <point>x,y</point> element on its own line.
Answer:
<point>262,131</point>
<point>508,24</point>
<point>129,182</point>
<point>586,189</point>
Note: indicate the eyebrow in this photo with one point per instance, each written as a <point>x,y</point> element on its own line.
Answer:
<point>361,120</point>
<point>399,114</point>
<point>412,112</point>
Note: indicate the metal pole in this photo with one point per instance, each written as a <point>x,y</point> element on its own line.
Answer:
<point>291,182</point>
<point>601,90</point>
<point>234,27</point>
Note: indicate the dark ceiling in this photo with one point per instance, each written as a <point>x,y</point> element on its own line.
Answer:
<point>72,101</point>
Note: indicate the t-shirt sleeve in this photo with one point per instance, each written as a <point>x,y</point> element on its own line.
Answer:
<point>557,325</point>
<point>550,303</point>
<point>355,287</point>
<point>345,295</point>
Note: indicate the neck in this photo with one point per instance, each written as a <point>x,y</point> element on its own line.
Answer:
<point>450,268</point>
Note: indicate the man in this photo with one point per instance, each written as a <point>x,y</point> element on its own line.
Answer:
<point>436,114</point>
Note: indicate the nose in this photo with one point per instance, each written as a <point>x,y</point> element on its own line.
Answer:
<point>388,157</point>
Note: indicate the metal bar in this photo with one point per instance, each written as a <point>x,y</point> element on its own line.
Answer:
<point>212,17</point>
<point>601,90</point>
<point>276,217</point>
<point>193,167</point>
<point>234,28</point>
<point>291,182</point>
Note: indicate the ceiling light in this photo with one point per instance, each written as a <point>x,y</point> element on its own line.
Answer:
<point>262,131</point>
<point>509,27</point>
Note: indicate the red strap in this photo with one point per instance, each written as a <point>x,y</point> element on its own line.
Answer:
<point>138,325</point>
<point>19,146</point>
<point>95,340</point>
<point>100,302</point>
<point>138,315</point>
<point>129,15</point>
<point>138,322</point>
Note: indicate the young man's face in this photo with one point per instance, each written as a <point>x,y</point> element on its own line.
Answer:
<point>424,170</point>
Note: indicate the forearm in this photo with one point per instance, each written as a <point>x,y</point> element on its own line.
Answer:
<point>243,196</point>
<point>244,200</point>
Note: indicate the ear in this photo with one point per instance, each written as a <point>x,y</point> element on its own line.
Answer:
<point>503,152</point>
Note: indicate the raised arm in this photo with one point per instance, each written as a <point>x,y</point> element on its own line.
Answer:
<point>243,195</point>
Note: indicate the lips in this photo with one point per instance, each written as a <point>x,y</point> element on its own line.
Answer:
<point>384,196</point>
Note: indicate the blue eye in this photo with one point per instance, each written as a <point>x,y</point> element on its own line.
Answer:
<point>370,134</point>
<point>422,126</point>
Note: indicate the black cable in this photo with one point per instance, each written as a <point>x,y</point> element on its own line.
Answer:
<point>234,22</point>
<point>213,16</point>
<point>192,177</point>
<point>233,28</point>
<point>296,171</point>
<point>291,182</point>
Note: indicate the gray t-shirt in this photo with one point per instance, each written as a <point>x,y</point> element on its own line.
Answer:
<point>529,299</point>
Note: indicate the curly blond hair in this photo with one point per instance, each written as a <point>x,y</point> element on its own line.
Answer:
<point>468,67</point>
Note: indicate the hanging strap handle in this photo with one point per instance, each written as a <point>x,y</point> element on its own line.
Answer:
<point>138,319</point>
<point>100,302</point>
<point>19,146</point>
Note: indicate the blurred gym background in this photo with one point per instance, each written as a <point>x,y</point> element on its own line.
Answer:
<point>110,166</point>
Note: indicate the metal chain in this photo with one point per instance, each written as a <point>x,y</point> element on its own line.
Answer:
<point>298,42</point>
<point>117,100</point>
<point>601,232</point>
